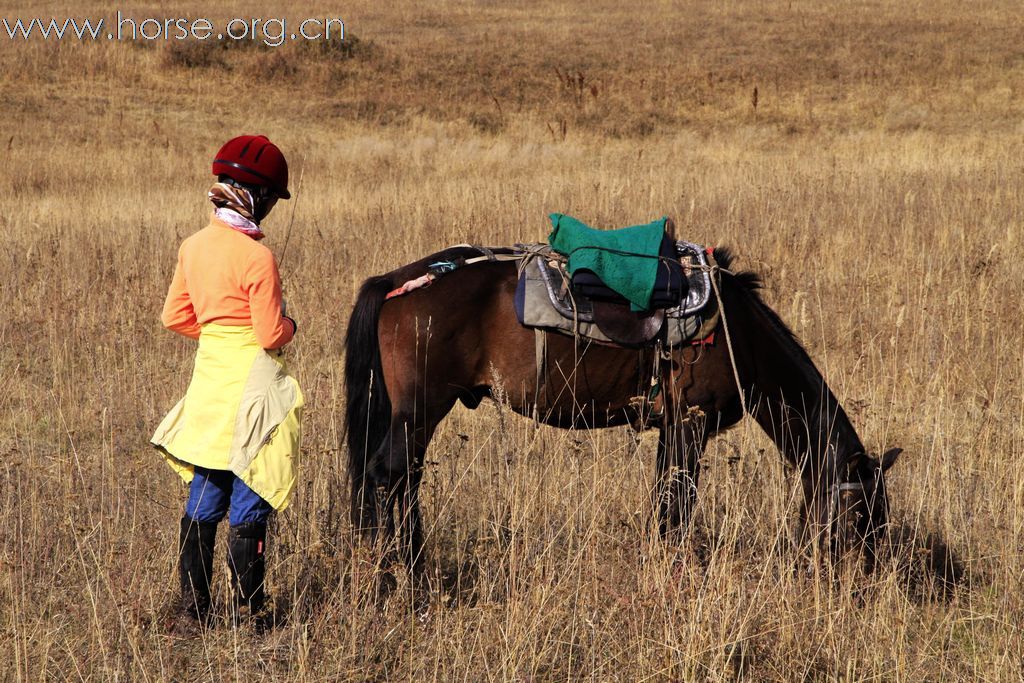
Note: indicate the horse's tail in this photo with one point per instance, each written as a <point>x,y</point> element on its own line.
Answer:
<point>368,408</point>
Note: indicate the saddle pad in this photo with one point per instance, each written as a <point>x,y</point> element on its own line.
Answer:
<point>626,260</point>
<point>543,299</point>
<point>670,283</point>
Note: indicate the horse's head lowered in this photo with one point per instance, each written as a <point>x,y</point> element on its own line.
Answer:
<point>859,504</point>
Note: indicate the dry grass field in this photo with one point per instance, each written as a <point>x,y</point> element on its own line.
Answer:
<point>875,180</point>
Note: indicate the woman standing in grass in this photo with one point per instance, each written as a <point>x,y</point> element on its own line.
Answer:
<point>235,436</point>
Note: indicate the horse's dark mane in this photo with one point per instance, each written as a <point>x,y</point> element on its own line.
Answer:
<point>754,283</point>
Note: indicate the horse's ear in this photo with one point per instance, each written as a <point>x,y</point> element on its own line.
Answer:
<point>889,458</point>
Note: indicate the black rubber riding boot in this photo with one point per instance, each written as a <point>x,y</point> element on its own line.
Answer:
<point>246,545</point>
<point>195,566</point>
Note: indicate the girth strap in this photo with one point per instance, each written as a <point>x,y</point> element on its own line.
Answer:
<point>540,348</point>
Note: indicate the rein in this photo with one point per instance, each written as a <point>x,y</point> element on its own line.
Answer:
<point>291,220</point>
<point>725,326</point>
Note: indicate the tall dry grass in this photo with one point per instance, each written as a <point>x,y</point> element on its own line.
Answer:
<point>877,185</point>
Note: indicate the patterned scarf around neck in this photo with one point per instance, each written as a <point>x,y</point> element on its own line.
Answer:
<point>236,207</point>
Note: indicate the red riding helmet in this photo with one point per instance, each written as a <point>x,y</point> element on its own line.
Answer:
<point>255,160</point>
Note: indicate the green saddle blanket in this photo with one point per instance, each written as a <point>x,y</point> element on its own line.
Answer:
<point>625,259</point>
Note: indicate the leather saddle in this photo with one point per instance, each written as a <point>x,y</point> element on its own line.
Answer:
<point>626,327</point>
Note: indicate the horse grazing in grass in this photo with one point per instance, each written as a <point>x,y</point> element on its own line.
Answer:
<point>411,357</point>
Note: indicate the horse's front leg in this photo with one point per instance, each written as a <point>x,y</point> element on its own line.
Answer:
<point>681,442</point>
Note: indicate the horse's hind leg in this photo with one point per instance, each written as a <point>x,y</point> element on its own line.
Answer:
<point>388,495</point>
<point>411,542</point>
<point>681,442</point>
<point>375,488</point>
<point>371,502</point>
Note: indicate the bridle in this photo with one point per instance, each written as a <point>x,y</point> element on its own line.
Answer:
<point>836,492</point>
<point>842,530</point>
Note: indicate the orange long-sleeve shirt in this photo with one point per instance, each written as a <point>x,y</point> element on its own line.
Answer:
<point>224,276</point>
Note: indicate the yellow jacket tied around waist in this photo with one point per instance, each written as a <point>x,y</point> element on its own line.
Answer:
<point>242,412</point>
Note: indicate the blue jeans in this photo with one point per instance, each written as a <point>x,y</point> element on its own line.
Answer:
<point>213,492</point>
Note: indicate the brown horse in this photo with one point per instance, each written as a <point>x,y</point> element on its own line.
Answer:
<point>411,357</point>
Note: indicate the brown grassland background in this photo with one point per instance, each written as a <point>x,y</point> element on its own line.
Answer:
<point>875,181</point>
